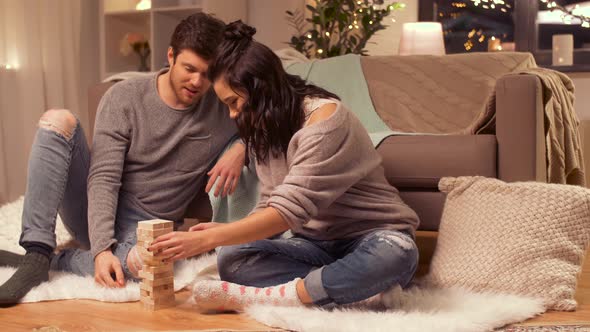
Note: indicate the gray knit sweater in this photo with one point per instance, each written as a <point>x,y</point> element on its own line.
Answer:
<point>153,154</point>
<point>332,184</point>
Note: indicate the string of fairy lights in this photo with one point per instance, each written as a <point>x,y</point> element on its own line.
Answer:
<point>500,5</point>
<point>572,14</point>
<point>568,16</point>
<point>477,35</point>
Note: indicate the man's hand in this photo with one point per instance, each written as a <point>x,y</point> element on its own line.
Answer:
<point>105,265</point>
<point>178,245</point>
<point>228,169</point>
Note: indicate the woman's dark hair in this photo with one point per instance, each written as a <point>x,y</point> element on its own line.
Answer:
<point>200,33</point>
<point>272,112</point>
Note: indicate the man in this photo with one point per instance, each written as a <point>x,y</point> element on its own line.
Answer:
<point>155,140</point>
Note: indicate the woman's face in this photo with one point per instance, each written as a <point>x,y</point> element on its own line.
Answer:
<point>229,97</point>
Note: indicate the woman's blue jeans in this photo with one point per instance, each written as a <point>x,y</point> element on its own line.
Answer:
<point>335,272</point>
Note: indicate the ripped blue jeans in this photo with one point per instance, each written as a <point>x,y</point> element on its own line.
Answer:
<point>57,183</point>
<point>335,272</point>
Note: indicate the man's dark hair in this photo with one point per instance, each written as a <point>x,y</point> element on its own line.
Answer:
<point>200,33</point>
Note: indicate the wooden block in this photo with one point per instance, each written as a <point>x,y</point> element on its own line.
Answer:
<point>144,253</point>
<point>169,267</point>
<point>155,224</point>
<point>161,294</point>
<point>152,261</point>
<point>157,295</point>
<point>149,257</point>
<point>155,276</point>
<point>158,282</point>
<point>143,244</point>
<point>155,289</point>
<point>150,235</point>
<point>147,305</point>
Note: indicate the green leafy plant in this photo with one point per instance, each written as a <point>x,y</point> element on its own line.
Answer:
<point>338,26</point>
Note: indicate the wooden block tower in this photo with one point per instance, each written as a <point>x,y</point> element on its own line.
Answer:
<point>157,285</point>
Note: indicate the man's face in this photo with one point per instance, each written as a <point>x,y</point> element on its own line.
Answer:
<point>188,76</point>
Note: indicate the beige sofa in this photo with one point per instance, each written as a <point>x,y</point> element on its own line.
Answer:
<point>414,164</point>
<point>516,152</point>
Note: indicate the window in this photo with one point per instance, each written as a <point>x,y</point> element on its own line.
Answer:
<point>475,25</point>
<point>521,25</point>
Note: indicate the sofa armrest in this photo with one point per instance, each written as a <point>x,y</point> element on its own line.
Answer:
<point>520,129</point>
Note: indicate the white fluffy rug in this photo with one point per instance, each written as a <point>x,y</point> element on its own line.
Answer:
<point>412,310</point>
<point>415,309</point>
<point>69,286</point>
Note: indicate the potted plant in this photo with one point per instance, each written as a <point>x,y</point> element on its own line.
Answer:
<point>338,26</point>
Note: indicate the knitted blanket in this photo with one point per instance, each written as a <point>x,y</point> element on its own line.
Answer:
<point>438,94</point>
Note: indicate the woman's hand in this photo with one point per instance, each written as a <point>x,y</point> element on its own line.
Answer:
<point>178,245</point>
<point>204,226</point>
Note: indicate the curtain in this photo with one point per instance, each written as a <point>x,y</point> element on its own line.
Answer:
<point>43,48</point>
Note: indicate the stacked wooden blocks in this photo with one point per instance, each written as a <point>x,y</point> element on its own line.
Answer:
<point>157,285</point>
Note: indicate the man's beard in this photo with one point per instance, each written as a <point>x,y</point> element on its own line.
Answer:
<point>177,88</point>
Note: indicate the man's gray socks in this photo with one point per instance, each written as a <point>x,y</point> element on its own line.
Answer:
<point>11,259</point>
<point>32,271</point>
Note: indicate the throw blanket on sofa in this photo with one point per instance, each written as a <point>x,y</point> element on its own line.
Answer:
<point>438,94</point>
<point>565,162</point>
<point>455,94</point>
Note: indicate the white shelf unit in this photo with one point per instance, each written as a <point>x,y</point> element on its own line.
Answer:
<point>119,17</point>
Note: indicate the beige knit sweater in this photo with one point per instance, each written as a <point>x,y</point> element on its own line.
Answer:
<point>332,184</point>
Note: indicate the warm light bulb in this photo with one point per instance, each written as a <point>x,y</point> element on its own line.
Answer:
<point>144,5</point>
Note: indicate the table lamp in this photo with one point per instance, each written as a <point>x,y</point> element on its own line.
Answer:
<point>422,38</point>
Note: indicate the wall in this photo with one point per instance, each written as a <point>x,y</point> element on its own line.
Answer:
<point>269,19</point>
<point>582,103</point>
<point>386,42</point>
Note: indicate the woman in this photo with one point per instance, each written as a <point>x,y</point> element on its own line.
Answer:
<point>320,177</point>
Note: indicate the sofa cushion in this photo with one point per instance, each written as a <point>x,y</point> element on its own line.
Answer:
<point>420,161</point>
<point>526,238</point>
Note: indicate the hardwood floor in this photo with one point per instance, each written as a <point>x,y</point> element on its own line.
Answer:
<point>85,315</point>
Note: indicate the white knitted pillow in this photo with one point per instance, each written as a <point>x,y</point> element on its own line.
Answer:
<point>524,238</point>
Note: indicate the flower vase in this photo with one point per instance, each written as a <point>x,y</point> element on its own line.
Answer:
<point>143,63</point>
